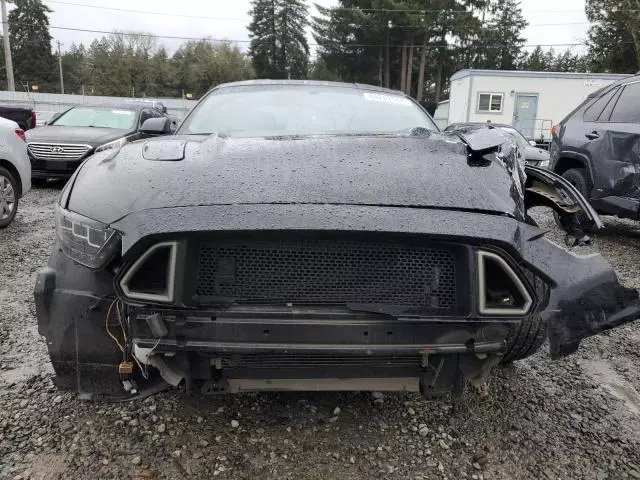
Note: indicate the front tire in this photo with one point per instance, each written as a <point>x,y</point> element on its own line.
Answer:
<point>526,339</point>
<point>579,179</point>
<point>8,197</point>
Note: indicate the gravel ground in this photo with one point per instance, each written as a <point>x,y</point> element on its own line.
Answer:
<point>574,418</point>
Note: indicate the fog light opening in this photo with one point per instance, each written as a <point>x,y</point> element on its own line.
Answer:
<point>151,277</point>
<point>501,292</point>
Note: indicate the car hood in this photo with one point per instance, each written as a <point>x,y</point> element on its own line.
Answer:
<point>434,171</point>
<point>536,154</point>
<point>93,136</point>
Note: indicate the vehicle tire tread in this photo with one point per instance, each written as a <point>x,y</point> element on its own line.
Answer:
<point>527,339</point>
<point>6,173</point>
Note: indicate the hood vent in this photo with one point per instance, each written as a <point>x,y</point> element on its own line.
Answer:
<point>164,150</point>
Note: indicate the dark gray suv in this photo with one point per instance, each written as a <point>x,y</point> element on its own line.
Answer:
<point>597,148</point>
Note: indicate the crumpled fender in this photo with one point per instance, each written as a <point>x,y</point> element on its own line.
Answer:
<point>587,298</point>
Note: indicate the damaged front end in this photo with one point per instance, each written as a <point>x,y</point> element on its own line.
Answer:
<point>322,296</point>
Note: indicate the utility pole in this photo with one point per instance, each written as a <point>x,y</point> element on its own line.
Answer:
<point>11,84</point>
<point>60,65</point>
<point>387,57</point>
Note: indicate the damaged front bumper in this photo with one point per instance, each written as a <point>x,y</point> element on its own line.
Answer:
<point>239,348</point>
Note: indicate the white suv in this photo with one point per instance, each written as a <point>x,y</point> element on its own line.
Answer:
<point>15,169</point>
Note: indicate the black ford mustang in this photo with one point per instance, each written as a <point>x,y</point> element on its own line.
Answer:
<point>308,235</point>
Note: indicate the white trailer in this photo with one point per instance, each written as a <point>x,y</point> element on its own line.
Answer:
<point>530,101</point>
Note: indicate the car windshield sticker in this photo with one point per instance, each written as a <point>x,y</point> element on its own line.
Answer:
<point>379,97</point>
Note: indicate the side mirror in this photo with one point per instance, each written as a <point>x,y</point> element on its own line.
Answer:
<point>156,126</point>
<point>533,143</point>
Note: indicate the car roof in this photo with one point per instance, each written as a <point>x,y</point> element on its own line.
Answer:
<point>317,83</point>
<point>624,81</point>
<point>607,88</point>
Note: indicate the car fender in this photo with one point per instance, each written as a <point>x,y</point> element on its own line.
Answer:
<point>545,188</point>
<point>579,157</point>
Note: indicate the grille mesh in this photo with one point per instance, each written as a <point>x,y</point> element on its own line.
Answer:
<point>62,151</point>
<point>337,272</point>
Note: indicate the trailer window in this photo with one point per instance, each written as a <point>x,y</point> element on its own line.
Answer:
<point>490,102</point>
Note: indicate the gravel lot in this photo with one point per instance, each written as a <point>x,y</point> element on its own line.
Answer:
<point>574,418</point>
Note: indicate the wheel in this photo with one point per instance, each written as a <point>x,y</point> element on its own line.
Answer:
<point>8,197</point>
<point>579,179</point>
<point>526,339</point>
<point>39,182</point>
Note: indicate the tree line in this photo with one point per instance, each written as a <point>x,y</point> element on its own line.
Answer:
<point>410,45</point>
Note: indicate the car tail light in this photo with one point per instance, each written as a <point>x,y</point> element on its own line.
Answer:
<point>35,119</point>
<point>20,133</point>
<point>554,130</point>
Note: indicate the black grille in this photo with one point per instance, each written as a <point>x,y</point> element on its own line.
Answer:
<point>317,360</point>
<point>329,272</point>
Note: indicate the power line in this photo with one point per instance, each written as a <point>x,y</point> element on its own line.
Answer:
<point>562,24</point>
<point>355,9</point>
<point>401,10</point>
<point>355,45</point>
<point>165,14</point>
<point>150,35</point>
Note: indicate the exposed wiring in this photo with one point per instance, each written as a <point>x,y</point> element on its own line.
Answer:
<point>125,335</point>
<point>145,372</point>
<point>106,326</point>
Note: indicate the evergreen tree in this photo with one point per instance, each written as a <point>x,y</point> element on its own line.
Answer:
<point>502,35</point>
<point>614,37</point>
<point>74,65</point>
<point>540,61</point>
<point>263,48</point>
<point>292,21</point>
<point>382,41</point>
<point>202,65</point>
<point>343,35</point>
<point>535,61</point>
<point>279,47</point>
<point>33,62</point>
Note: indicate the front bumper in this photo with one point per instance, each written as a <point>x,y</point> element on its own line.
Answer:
<point>55,168</point>
<point>51,174</point>
<point>277,347</point>
<point>585,298</point>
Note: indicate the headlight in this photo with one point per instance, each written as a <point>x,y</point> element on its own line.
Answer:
<point>86,241</point>
<point>115,144</point>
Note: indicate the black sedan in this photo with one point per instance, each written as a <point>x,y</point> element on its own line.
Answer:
<point>58,148</point>
<point>533,155</point>
<point>313,236</point>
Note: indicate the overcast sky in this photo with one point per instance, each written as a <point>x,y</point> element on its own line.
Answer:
<point>228,19</point>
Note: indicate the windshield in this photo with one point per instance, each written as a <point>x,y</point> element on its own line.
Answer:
<point>292,110</point>
<point>97,117</point>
